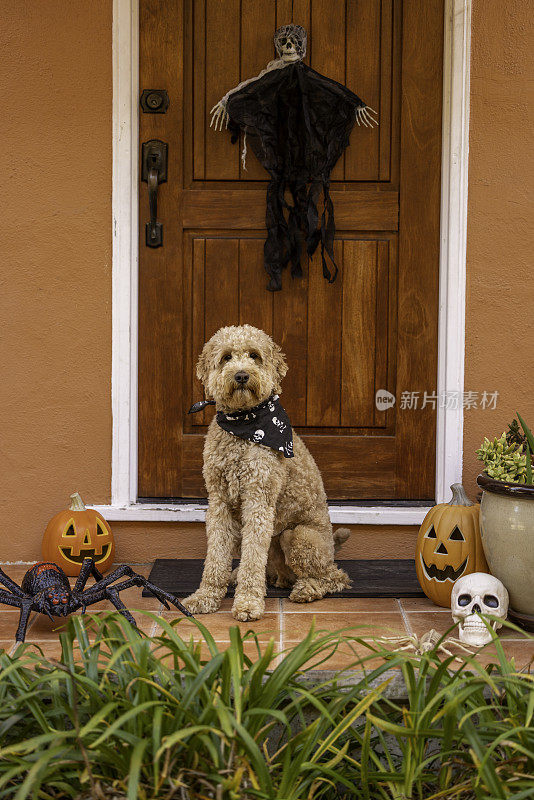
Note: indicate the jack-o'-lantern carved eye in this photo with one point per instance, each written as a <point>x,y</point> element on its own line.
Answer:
<point>100,531</point>
<point>431,533</point>
<point>457,535</point>
<point>69,530</point>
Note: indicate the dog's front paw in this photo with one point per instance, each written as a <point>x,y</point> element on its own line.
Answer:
<point>201,603</point>
<point>248,608</point>
<point>306,590</point>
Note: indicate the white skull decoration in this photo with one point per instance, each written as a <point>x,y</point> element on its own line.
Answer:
<point>258,436</point>
<point>475,594</point>
<point>290,42</point>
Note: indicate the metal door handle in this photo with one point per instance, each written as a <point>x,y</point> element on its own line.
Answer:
<point>154,172</point>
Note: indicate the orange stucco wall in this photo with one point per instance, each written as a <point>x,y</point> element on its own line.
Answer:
<point>55,270</point>
<point>500,243</point>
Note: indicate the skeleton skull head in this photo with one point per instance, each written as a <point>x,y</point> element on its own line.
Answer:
<point>290,42</point>
<point>258,436</point>
<point>475,594</point>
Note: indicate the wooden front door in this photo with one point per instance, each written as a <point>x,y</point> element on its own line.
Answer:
<point>376,326</point>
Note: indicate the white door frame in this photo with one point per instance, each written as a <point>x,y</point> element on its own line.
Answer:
<point>451,345</point>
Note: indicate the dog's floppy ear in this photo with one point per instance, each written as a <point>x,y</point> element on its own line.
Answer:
<point>280,365</point>
<point>203,364</point>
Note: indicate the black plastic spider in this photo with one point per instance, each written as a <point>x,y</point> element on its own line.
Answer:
<point>45,588</point>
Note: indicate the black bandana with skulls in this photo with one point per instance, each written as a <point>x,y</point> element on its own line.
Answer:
<point>266,424</point>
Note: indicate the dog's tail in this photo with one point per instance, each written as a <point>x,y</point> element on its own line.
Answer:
<point>340,535</point>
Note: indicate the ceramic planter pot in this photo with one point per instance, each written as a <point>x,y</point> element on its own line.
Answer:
<point>507,530</point>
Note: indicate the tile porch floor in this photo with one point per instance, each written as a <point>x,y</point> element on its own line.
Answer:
<point>286,622</point>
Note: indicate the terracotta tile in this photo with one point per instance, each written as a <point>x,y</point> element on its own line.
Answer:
<point>272,604</point>
<point>366,624</point>
<point>43,629</point>
<point>347,656</point>
<point>341,605</point>
<point>219,625</point>
<point>421,604</point>
<point>521,651</point>
<point>16,571</point>
<point>9,621</point>
<point>421,622</point>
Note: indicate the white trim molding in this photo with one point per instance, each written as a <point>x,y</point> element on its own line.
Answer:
<point>453,247</point>
<point>125,251</point>
<point>451,345</point>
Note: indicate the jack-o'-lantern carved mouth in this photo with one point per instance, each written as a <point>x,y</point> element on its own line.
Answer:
<point>67,552</point>
<point>448,573</point>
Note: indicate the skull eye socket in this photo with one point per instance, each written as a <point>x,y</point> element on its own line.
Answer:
<point>464,599</point>
<point>457,535</point>
<point>491,601</point>
<point>431,533</point>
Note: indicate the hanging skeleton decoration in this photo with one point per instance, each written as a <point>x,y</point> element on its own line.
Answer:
<point>298,123</point>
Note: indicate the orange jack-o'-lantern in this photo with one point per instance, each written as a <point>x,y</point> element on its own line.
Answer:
<point>75,534</point>
<point>449,546</point>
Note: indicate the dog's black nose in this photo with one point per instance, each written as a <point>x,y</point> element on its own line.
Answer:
<point>241,377</point>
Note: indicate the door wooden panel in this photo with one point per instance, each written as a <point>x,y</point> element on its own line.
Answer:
<point>375,327</point>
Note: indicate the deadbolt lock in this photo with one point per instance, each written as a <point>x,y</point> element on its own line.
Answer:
<point>154,101</point>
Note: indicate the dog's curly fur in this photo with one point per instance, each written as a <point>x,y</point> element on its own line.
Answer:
<point>274,508</point>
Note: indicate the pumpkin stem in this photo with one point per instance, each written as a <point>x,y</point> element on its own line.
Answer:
<point>77,503</point>
<point>459,497</point>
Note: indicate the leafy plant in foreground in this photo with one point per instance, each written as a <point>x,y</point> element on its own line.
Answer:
<point>129,717</point>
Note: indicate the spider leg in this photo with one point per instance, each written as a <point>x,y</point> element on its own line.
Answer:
<point>88,568</point>
<point>25,611</point>
<point>163,596</point>
<point>113,596</point>
<point>10,584</point>
<point>10,599</point>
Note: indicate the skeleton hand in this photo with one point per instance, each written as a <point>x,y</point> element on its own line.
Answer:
<point>364,116</point>
<point>219,115</point>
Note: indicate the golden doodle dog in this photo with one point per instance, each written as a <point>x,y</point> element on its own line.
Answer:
<point>265,492</point>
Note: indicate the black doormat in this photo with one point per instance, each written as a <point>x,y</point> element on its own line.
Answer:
<point>370,578</point>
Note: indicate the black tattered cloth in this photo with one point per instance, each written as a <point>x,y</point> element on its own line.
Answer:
<point>266,424</point>
<point>298,124</point>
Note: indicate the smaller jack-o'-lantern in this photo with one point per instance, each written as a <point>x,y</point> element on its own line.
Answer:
<point>449,546</point>
<point>75,534</point>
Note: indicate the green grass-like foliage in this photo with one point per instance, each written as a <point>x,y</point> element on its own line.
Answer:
<point>134,717</point>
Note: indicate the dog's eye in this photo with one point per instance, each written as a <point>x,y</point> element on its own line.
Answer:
<point>227,357</point>
<point>254,356</point>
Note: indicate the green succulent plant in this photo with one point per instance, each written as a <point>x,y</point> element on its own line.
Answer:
<point>509,458</point>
